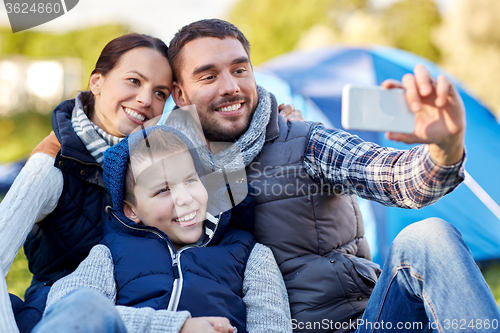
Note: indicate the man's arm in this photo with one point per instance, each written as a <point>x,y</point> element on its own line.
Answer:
<point>264,294</point>
<point>97,272</point>
<point>401,178</point>
<point>405,178</point>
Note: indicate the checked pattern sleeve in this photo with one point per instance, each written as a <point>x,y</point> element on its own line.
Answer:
<point>392,177</point>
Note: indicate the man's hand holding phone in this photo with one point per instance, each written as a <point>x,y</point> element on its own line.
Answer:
<point>419,109</point>
<point>439,115</point>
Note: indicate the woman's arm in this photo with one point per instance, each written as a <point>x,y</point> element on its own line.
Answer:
<point>35,193</point>
<point>264,294</point>
<point>97,272</point>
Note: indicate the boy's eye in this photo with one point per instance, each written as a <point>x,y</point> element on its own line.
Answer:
<point>163,190</point>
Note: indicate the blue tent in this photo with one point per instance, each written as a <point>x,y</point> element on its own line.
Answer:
<point>318,76</point>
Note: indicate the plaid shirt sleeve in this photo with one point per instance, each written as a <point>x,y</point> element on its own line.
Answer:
<point>392,177</point>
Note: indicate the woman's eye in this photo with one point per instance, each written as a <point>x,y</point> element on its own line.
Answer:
<point>161,94</point>
<point>134,81</point>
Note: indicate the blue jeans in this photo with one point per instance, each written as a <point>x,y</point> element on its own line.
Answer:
<point>82,310</point>
<point>430,283</point>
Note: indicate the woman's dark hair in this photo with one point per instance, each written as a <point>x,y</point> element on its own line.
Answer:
<point>115,49</point>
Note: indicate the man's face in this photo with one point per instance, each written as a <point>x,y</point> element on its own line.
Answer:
<point>217,77</point>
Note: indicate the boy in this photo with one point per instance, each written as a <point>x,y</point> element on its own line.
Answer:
<point>164,250</point>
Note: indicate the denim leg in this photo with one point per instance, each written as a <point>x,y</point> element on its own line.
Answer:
<point>83,310</point>
<point>430,277</point>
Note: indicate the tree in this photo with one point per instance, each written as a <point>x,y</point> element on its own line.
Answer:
<point>409,25</point>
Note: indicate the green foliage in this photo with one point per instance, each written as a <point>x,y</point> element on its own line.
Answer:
<point>275,27</point>
<point>409,24</point>
<point>21,133</point>
<point>86,44</point>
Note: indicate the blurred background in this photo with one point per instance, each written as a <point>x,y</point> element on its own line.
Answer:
<point>42,66</point>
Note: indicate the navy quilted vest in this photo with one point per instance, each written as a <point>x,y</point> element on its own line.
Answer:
<point>212,276</point>
<point>57,245</point>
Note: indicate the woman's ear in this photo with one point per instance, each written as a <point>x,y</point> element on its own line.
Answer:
<point>95,83</point>
<point>178,95</point>
<point>129,211</point>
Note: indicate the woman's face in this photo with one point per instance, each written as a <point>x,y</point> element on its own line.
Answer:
<point>133,92</point>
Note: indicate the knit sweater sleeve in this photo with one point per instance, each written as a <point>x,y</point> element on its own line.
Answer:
<point>264,293</point>
<point>97,272</point>
<point>34,193</point>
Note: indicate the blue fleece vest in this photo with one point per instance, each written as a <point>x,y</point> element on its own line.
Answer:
<point>212,275</point>
<point>56,246</point>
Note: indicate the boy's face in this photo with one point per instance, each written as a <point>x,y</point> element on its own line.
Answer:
<point>171,197</point>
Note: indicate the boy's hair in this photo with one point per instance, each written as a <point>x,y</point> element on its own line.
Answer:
<point>203,28</point>
<point>157,145</point>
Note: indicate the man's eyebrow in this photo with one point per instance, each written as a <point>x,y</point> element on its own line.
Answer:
<point>207,67</point>
<point>203,68</point>
<point>241,60</point>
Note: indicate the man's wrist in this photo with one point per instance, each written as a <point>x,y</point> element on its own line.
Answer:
<point>447,154</point>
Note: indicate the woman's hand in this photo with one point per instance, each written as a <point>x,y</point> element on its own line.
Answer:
<point>207,324</point>
<point>289,112</point>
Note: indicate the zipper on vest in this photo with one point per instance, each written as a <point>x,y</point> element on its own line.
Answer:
<point>176,267</point>
<point>175,296</point>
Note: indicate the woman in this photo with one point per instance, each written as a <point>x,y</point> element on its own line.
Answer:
<point>61,185</point>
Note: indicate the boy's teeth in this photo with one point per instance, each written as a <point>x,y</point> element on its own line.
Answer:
<point>134,114</point>
<point>186,217</point>
<point>233,107</point>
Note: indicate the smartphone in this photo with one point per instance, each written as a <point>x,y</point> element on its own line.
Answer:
<point>373,108</point>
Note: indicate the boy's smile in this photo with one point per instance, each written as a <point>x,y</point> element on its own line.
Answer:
<point>171,197</point>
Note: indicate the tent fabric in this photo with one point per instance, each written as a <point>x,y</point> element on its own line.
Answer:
<point>318,76</point>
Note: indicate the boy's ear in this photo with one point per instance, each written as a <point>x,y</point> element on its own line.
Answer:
<point>95,83</point>
<point>129,211</point>
<point>178,95</point>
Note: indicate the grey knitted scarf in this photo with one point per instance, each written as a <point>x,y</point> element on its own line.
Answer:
<point>240,154</point>
<point>94,138</point>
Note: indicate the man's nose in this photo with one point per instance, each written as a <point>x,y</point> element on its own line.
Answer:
<point>228,84</point>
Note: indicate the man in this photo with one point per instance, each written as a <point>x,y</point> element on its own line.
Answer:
<point>302,172</point>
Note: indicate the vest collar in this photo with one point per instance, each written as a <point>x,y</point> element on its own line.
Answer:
<point>272,129</point>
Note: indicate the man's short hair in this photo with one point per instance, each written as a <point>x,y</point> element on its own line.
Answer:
<point>157,145</point>
<point>203,28</point>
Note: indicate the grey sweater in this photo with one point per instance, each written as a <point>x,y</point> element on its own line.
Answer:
<point>264,294</point>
